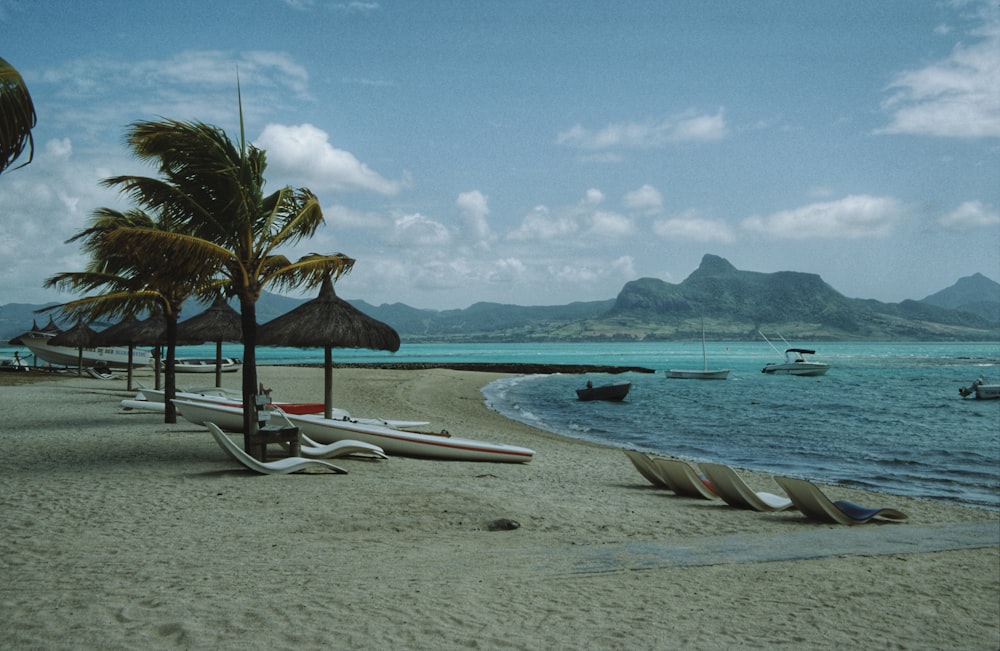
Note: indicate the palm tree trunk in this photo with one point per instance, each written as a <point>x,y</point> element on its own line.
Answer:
<point>248,316</point>
<point>170,372</point>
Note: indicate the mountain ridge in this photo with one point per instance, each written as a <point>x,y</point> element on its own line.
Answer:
<point>733,304</point>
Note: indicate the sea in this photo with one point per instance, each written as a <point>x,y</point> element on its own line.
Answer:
<point>886,417</point>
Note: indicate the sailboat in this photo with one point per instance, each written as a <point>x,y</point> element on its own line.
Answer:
<point>705,373</point>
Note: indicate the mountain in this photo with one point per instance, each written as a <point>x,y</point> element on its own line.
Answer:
<point>976,294</point>
<point>734,305</point>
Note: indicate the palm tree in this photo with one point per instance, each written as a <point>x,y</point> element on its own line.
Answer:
<point>211,191</point>
<point>134,283</point>
<point>17,117</point>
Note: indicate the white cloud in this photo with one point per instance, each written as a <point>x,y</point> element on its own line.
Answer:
<point>956,97</point>
<point>969,216</point>
<point>646,198</point>
<point>541,224</point>
<point>593,197</point>
<point>690,226</point>
<point>854,216</point>
<point>610,225</point>
<point>685,127</point>
<point>304,153</point>
<point>416,230</point>
<point>340,216</point>
<point>473,207</point>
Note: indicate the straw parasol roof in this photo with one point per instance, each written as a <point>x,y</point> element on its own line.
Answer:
<point>79,336</point>
<point>218,323</point>
<point>328,322</point>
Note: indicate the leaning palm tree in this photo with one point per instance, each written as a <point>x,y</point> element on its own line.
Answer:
<point>212,192</point>
<point>17,117</point>
<point>133,282</point>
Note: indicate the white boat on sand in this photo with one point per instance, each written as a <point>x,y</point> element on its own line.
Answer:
<point>393,441</point>
<point>100,356</point>
<point>207,365</point>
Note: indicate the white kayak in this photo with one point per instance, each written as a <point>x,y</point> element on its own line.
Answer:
<point>409,444</point>
<point>232,398</point>
<point>393,441</point>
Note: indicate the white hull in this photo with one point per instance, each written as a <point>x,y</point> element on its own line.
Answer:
<point>110,356</point>
<point>681,374</point>
<point>229,415</point>
<point>410,444</point>
<point>799,368</point>
<point>393,441</point>
<point>205,365</point>
<point>988,392</point>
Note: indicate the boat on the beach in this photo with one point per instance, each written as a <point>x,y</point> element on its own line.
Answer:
<point>980,390</point>
<point>795,362</point>
<point>100,356</point>
<point>207,365</point>
<point>14,363</point>
<point>394,441</point>
<point>610,392</point>
<point>704,373</point>
<point>230,411</point>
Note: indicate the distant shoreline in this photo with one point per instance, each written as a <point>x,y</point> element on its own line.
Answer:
<point>488,367</point>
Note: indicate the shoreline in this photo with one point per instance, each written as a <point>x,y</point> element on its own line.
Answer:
<point>127,532</point>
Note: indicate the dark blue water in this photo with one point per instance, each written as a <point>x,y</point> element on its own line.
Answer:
<point>886,416</point>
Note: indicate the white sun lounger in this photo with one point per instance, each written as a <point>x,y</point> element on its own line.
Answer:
<point>644,464</point>
<point>735,492</point>
<point>277,467</point>
<point>816,506</point>
<point>683,479</point>
<point>313,450</point>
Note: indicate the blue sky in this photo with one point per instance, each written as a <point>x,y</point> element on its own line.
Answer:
<point>540,153</point>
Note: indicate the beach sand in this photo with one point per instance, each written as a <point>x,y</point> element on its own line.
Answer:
<point>121,532</point>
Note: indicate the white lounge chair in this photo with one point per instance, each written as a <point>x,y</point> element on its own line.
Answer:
<point>277,467</point>
<point>735,492</point>
<point>644,464</point>
<point>816,506</point>
<point>313,450</point>
<point>683,479</point>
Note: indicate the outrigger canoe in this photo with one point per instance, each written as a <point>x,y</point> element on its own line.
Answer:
<point>381,433</point>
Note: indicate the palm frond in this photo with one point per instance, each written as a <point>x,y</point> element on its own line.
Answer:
<point>17,118</point>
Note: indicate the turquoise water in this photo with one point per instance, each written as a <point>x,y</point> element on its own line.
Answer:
<point>886,416</point>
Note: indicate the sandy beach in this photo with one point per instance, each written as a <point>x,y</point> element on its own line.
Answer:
<point>122,532</point>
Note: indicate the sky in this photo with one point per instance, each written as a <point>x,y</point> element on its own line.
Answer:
<point>540,153</point>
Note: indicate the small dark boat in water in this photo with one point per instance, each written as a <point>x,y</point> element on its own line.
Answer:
<point>614,392</point>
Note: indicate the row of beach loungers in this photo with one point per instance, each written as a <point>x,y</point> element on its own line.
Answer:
<point>711,481</point>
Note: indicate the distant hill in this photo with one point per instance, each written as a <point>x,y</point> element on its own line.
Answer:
<point>733,304</point>
<point>976,294</point>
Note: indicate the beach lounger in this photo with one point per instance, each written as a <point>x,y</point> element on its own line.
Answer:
<point>683,479</point>
<point>313,450</point>
<point>816,506</point>
<point>277,467</point>
<point>644,464</point>
<point>735,492</point>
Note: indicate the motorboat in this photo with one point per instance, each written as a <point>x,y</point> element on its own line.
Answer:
<point>611,392</point>
<point>207,365</point>
<point>392,440</point>
<point>100,356</point>
<point>796,364</point>
<point>980,390</point>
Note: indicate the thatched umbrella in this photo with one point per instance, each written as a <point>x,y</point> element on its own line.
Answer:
<point>79,336</point>
<point>218,323</point>
<point>328,322</point>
